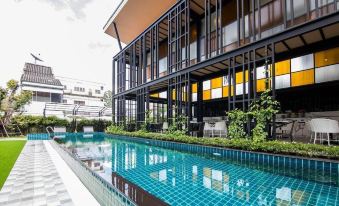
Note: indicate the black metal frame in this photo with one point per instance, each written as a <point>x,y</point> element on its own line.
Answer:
<point>173,29</point>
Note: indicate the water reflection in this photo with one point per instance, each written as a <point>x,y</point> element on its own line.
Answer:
<point>149,174</point>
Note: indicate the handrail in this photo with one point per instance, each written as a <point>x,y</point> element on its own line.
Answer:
<point>51,128</point>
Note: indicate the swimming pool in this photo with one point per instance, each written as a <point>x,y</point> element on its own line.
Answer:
<point>152,172</point>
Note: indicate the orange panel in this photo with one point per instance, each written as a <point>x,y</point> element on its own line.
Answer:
<point>239,77</point>
<point>155,95</point>
<point>206,95</point>
<point>173,94</point>
<point>261,85</point>
<point>225,91</point>
<point>327,57</point>
<point>194,88</point>
<point>302,78</point>
<point>216,83</point>
<point>283,67</point>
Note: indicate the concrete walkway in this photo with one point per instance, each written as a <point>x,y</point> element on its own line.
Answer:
<point>34,180</point>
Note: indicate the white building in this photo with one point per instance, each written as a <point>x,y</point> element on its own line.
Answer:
<point>82,92</point>
<point>46,88</point>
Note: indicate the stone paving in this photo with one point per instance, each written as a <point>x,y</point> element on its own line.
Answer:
<point>34,180</point>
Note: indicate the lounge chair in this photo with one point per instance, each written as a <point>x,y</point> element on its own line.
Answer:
<point>164,127</point>
<point>319,127</point>
<point>208,130</point>
<point>57,132</point>
<point>220,129</point>
<point>88,130</point>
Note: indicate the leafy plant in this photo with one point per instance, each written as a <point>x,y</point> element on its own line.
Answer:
<point>262,111</point>
<point>12,102</point>
<point>178,125</point>
<point>237,119</point>
<point>108,98</point>
<point>277,147</point>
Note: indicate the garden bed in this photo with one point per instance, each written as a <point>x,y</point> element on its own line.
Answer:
<point>275,147</point>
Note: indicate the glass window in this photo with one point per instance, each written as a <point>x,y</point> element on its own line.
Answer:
<point>55,97</point>
<point>230,32</point>
<point>163,65</point>
<point>207,85</point>
<point>216,93</point>
<point>82,103</point>
<point>302,63</point>
<point>193,50</point>
<point>43,97</point>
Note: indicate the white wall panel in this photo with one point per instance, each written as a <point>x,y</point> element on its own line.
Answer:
<point>326,74</point>
<point>302,63</point>
<point>282,81</point>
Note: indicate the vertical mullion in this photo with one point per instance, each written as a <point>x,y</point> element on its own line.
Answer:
<point>234,81</point>
<point>259,19</point>
<point>243,21</point>
<point>244,81</point>
<point>254,75</point>
<point>238,24</point>
<point>253,20</point>
<point>152,52</point>
<point>217,26</point>
<point>221,28</point>
<point>206,29</point>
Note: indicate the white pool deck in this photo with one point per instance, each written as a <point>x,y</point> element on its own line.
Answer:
<point>41,177</point>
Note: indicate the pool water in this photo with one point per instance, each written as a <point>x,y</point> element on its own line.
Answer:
<point>152,175</point>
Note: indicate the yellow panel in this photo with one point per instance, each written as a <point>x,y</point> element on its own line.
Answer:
<point>302,78</point>
<point>327,57</point>
<point>216,83</point>
<point>207,95</point>
<point>225,91</point>
<point>155,95</point>
<point>195,88</point>
<point>283,67</point>
<point>173,94</point>
<point>239,77</point>
<point>207,172</point>
<point>261,85</point>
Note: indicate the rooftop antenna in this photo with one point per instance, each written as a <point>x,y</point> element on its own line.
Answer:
<point>36,58</point>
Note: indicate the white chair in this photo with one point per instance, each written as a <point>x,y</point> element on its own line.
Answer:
<point>323,126</point>
<point>88,129</point>
<point>59,130</point>
<point>208,130</point>
<point>220,128</point>
<point>164,127</point>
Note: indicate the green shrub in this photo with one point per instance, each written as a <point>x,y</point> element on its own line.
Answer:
<point>237,120</point>
<point>276,147</point>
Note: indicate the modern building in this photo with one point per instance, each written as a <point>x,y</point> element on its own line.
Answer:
<point>202,58</point>
<point>82,92</point>
<point>59,94</point>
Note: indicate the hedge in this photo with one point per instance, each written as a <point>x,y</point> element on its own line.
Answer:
<point>275,147</point>
<point>38,124</point>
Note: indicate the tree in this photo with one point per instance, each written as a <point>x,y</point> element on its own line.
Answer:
<point>11,101</point>
<point>108,98</point>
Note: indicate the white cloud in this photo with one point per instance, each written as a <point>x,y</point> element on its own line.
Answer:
<point>73,48</point>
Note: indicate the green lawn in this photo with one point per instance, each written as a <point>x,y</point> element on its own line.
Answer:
<point>9,152</point>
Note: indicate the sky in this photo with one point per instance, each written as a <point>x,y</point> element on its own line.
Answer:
<point>68,35</point>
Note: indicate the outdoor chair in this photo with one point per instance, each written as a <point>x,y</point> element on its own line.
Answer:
<point>319,127</point>
<point>88,129</point>
<point>208,130</point>
<point>57,132</point>
<point>164,127</point>
<point>220,129</point>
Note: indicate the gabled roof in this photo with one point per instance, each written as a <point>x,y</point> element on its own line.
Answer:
<point>35,73</point>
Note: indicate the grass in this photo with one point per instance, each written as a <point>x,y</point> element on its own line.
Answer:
<point>9,152</point>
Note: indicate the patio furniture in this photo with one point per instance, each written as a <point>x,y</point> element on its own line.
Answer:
<point>57,132</point>
<point>164,127</point>
<point>220,128</point>
<point>319,127</point>
<point>208,129</point>
<point>285,128</point>
<point>88,129</point>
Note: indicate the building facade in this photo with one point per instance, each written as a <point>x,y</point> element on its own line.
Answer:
<point>82,92</point>
<point>60,92</point>
<point>202,58</point>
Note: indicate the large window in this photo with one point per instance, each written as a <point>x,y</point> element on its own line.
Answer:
<point>79,89</point>
<point>82,103</point>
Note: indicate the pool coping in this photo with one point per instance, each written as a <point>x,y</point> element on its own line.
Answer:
<point>106,185</point>
<point>232,149</point>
